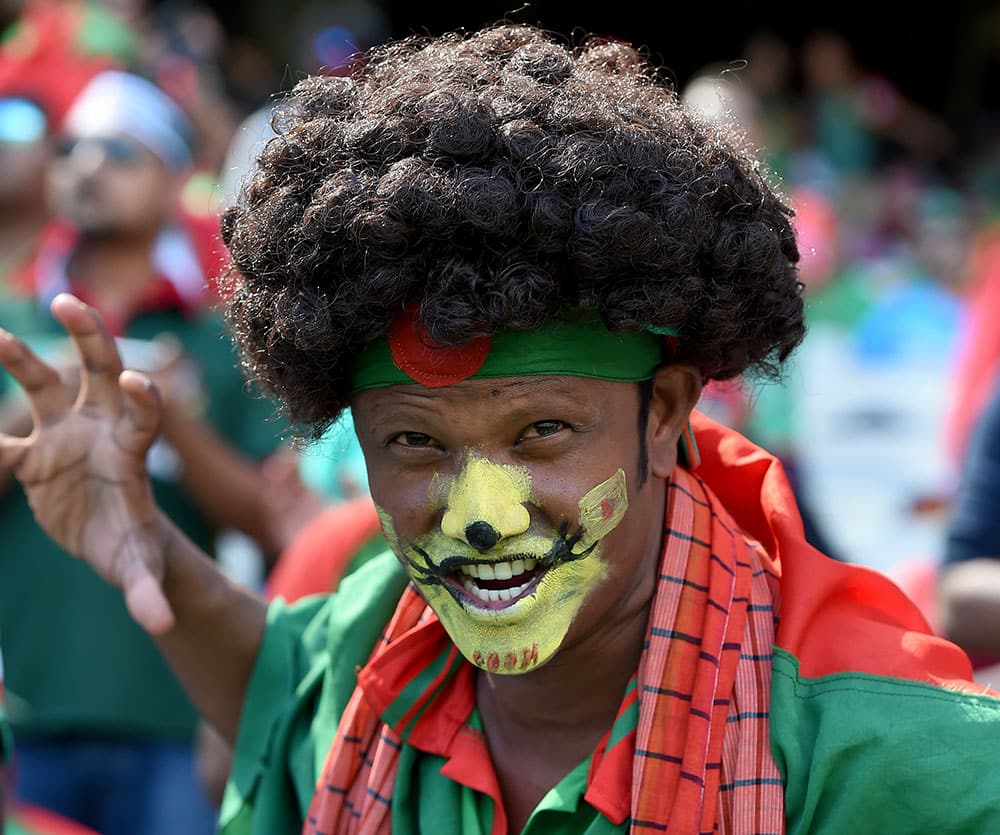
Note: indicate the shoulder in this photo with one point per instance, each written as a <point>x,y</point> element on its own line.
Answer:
<point>304,675</point>
<point>349,620</point>
<point>835,735</point>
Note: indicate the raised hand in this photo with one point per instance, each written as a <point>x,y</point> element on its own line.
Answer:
<point>83,467</point>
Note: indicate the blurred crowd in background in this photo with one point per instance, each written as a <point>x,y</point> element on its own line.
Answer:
<point>123,129</point>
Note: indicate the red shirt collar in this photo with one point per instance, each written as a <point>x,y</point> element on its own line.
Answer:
<point>425,690</point>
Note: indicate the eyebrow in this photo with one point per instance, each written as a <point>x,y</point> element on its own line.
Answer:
<point>514,396</point>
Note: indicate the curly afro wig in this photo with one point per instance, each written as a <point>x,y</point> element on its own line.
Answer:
<point>500,180</point>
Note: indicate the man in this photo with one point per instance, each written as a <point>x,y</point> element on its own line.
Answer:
<point>518,264</point>
<point>104,731</point>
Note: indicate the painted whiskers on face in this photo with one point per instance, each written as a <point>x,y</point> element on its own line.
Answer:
<point>505,594</point>
<point>560,552</point>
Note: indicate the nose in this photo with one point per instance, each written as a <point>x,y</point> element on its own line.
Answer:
<point>482,536</point>
<point>87,158</point>
<point>486,503</point>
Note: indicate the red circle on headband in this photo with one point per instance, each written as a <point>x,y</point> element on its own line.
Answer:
<point>428,362</point>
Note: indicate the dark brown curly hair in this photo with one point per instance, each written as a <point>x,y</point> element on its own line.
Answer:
<point>500,179</point>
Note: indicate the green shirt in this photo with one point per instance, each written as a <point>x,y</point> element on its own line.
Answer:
<point>426,801</point>
<point>75,659</point>
<point>856,751</point>
<point>302,680</point>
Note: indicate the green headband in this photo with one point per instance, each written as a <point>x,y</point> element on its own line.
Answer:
<point>577,348</point>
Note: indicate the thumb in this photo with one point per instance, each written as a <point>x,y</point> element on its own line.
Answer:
<point>144,595</point>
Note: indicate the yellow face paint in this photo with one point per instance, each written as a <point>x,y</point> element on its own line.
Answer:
<point>388,529</point>
<point>602,509</point>
<point>517,634</point>
<point>494,494</point>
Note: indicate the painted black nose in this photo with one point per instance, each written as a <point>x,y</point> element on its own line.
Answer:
<point>482,535</point>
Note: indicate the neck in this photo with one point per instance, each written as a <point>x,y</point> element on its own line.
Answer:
<point>113,266</point>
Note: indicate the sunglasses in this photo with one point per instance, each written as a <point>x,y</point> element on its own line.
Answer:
<point>119,150</point>
<point>21,121</point>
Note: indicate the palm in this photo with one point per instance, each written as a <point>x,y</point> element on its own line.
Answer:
<point>88,492</point>
<point>83,466</point>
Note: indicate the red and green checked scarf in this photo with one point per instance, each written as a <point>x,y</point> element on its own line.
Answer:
<point>701,758</point>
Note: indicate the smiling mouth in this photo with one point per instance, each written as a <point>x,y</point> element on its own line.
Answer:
<point>496,584</point>
<point>500,583</point>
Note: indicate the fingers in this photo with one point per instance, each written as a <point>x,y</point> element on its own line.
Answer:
<point>98,355</point>
<point>142,413</point>
<point>143,591</point>
<point>12,451</point>
<point>48,396</point>
<point>145,600</point>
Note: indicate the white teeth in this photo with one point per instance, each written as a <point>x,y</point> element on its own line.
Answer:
<point>498,570</point>
<point>495,595</point>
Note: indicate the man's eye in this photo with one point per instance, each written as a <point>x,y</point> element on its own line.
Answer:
<point>542,428</point>
<point>412,439</point>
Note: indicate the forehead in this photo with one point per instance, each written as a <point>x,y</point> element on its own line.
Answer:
<point>118,146</point>
<point>497,399</point>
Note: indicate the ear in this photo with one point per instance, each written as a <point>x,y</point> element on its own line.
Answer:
<point>676,389</point>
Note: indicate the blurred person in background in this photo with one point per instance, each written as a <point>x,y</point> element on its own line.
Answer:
<point>969,595</point>
<point>323,39</point>
<point>768,75</point>
<point>180,45</point>
<point>104,731</point>
<point>851,113</point>
<point>754,96</point>
<point>183,48</point>
<point>19,818</point>
<point>882,246</point>
<point>764,410</point>
<point>43,67</point>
